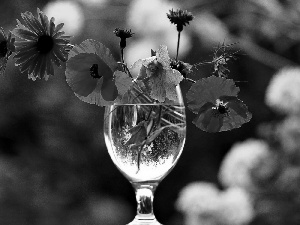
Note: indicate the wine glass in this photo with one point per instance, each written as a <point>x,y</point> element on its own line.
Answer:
<point>145,141</point>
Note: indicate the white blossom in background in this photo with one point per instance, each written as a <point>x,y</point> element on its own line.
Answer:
<point>94,3</point>
<point>198,197</point>
<point>202,203</point>
<point>150,17</point>
<point>289,182</point>
<point>236,207</point>
<point>283,92</point>
<point>199,202</point>
<point>149,21</point>
<point>68,12</point>
<point>240,161</point>
<point>289,134</point>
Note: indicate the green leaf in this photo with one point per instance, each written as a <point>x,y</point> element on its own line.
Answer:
<point>138,134</point>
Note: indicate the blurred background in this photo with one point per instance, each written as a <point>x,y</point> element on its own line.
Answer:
<point>54,166</point>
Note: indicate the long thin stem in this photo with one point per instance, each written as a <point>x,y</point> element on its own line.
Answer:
<point>178,42</point>
<point>122,56</point>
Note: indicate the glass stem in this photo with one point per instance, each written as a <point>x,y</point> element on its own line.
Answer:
<point>144,197</point>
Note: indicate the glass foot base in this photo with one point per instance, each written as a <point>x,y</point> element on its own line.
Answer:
<point>144,222</point>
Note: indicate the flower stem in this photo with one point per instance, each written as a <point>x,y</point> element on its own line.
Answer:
<point>190,80</point>
<point>178,42</point>
<point>122,56</point>
<point>124,65</point>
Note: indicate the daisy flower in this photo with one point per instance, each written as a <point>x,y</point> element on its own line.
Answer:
<point>43,44</point>
<point>283,92</point>
<point>93,75</point>
<point>180,18</point>
<point>214,100</point>
<point>158,75</point>
<point>6,48</point>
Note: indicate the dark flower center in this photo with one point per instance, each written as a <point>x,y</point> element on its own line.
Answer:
<point>3,49</point>
<point>94,71</point>
<point>183,68</point>
<point>154,68</point>
<point>222,109</point>
<point>45,44</point>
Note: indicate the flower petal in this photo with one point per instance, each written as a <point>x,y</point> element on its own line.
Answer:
<point>123,82</point>
<point>49,67</point>
<point>78,73</point>
<point>208,119</point>
<point>173,77</point>
<point>3,62</point>
<point>158,91</point>
<point>25,34</point>
<point>96,97</point>
<point>109,90</point>
<point>24,65</point>
<point>58,28</point>
<point>2,35</point>
<point>45,22</point>
<point>163,56</point>
<point>52,26</point>
<point>209,90</point>
<point>171,92</point>
<point>94,47</point>
<point>236,104</point>
<point>29,23</point>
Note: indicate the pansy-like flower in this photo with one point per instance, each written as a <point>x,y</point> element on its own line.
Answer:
<point>6,48</point>
<point>43,44</point>
<point>93,75</point>
<point>158,75</point>
<point>180,18</point>
<point>215,101</point>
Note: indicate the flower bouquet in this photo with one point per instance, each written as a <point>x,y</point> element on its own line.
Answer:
<point>97,78</point>
<point>145,122</point>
